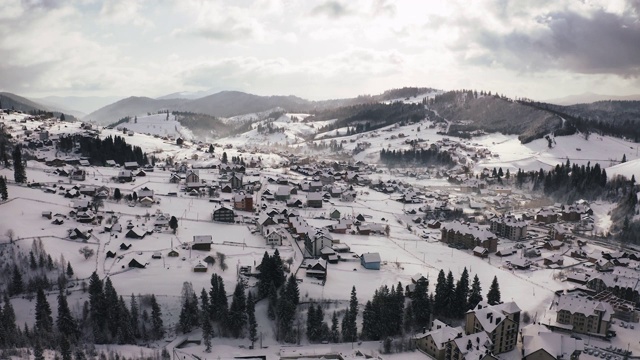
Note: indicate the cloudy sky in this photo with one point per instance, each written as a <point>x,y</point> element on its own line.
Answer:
<point>319,49</point>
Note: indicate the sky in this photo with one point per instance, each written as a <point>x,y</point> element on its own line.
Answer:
<point>319,49</point>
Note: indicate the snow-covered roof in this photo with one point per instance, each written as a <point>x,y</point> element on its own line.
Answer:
<point>371,257</point>
<point>559,346</point>
<point>575,304</point>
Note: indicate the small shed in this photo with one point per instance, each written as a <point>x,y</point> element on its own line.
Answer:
<point>173,253</point>
<point>370,261</point>
<point>110,254</point>
<point>124,246</point>
<point>156,255</point>
<point>46,214</point>
<point>479,251</point>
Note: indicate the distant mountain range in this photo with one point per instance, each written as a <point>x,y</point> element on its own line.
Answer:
<point>587,98</point>
<point>78,104</point>
<point>13,101</point>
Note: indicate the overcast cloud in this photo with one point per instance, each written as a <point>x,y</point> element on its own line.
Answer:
<point>318,49</point>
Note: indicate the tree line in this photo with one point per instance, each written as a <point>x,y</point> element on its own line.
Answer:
<point>99,151</point>
<point>418,157</point>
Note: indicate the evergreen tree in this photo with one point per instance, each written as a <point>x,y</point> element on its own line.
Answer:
<point>351,333</point>
<point>19,173</point>
<point>624,158</point>
<point>461,294</point>
<point>224,158</point>
<point>173,224</point>
<point>44,321</point>
<point>8,324</point>
<point>125,332</point>
<point>441,296</point>
<point>17,286</point>
<point>251,319</point>
<point>346,337</point>
<point>273,302</point>
<point>135,321</point>
<point>292,290</point>
<point>409,321</point>
<point>69,270</point>
<point>370,325</point>
<point>65,348</point>
<point>237,311</point>
<point>66,322</point>
<point>335,333</point>
<point>96,306</point>
<point>211,149</point>
<point>218,299</point>
<point>493,296</point>
<point>117,195</point>
<point>112,308</point>
<point>421,306</point>
<point>38,353</point>
<point>4,194</point>
<point>157,328</point>
<point>475,295</point>
<point>449,310</point>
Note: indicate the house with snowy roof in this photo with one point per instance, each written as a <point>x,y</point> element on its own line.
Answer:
<point>509,227</point>
<point>468,235</point>
<point>584,315</point>
<point>434,341</point>
<point>470,347</point>
<point>500,322</point>
<point>538,342</point>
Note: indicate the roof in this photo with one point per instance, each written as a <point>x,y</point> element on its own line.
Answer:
<point>559,346</point>
<point>314,196</point>
<point>371,257</point>
<point>492,316</point>
<point>575,304</point>
<point>441,334</point>
<point>202,239</point>
<point>469,228</point>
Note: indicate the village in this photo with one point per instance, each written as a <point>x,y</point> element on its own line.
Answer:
<point>567,291</point>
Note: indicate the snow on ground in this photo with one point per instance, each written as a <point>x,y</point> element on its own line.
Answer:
<point>627,169</point>
<point>158,124</point>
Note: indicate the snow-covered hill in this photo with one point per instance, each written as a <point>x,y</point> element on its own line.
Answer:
<point>158,124</point>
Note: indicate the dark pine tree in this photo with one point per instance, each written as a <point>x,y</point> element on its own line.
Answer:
<point>66,322</point>
<point>251,319</point>
<point>475,295</point>
<point>19,173</point>
<point>461,295</point>
<point>4,194</point>
<point>157,327</point>
<point>493,296</point>
<point>237,311</point>
<point>440,298</point>
<point>44,321</point>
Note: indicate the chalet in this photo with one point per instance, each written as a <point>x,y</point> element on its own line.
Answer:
<point>145,192</point>
<point>135,264</point>
<point>226,188</point>
<point>156,255</point>
<point>78,174</point>
<point>173,253</point>
<point>146,201</point>
<point>124,246</point>
<point>76,233</point>
<point>131,165</point>
<point>315,186</point>
<point>88,190</point>
<point>85,216</point>
<point>295,203</point>
<point>506,252</point>
<point>275,234</point>
<point>135,233</point>
<point>46,214</point>
<point>334,214</point>
<point>200,267</point>
<point>314,200</point>
<point>193,176</point>
<point>553,244</point>
<point>140,173</point>
<point>558,232</point>
<point>110,163</point>
<point>57,221</point>
<point>555,259</point>
<point>316,269</point>
<point>175,178</point>
<point>283,193</point>
<point>370,261</point>
<point>223,214</point>
<point>520,263</point>
<point>125,176</point>
<point>481,252</point>
<point>202,242</point>
<point>110,254</point>
<point>434,224</point>
<point>235,180</point>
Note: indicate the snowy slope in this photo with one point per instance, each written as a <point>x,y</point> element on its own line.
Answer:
<point>158,124</point>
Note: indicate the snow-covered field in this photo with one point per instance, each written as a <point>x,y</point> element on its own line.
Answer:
<point>158,124</point>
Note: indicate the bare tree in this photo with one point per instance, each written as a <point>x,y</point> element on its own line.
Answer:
<point>87,252</point>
